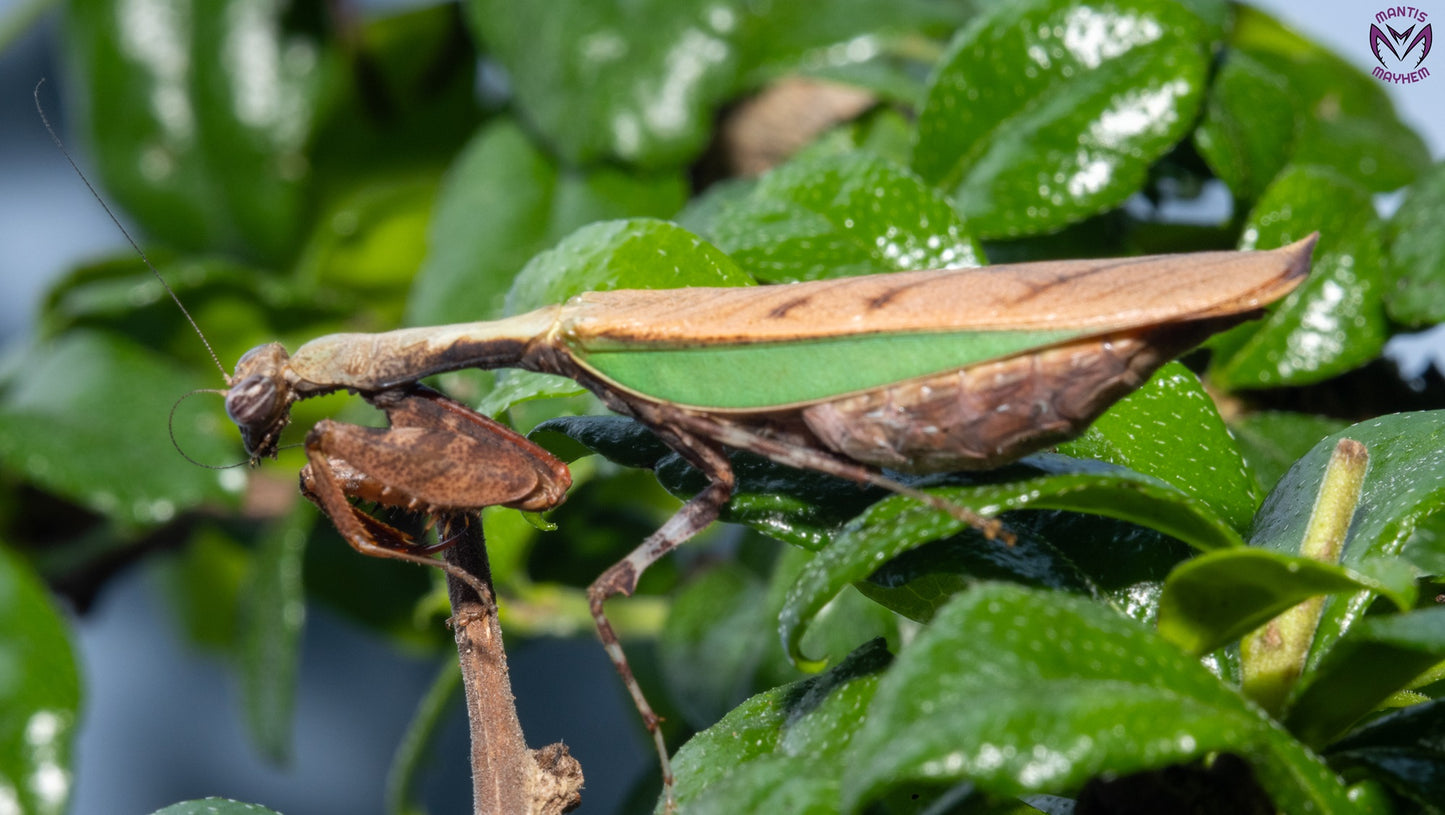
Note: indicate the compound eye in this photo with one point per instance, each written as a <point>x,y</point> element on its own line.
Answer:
<point>252,401</point>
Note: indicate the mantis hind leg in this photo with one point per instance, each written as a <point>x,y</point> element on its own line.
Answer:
<point>622,577</point>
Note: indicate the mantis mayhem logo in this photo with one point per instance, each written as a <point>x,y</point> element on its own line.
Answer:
<point>1402,45</point>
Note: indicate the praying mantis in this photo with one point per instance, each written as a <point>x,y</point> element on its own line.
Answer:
<point>926,371</point>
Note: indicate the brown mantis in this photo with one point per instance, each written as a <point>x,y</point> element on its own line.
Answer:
<point>914,371</point>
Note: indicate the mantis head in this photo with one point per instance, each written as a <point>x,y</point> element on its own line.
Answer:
<point>259,398</point>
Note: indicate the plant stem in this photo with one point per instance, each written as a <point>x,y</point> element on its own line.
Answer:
<point>1273,656</point>
<point>507,777</point>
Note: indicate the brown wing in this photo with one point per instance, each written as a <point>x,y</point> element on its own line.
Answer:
<point>1098,295</point>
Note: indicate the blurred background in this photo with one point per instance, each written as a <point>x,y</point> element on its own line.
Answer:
<point>147,689</point>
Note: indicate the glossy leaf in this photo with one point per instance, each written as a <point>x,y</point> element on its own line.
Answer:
<point>640,82</point>
<point>1273,440</point>
<point>1220,596</point>
<point>1044,113</point>
<point>835,216</point>
<point>1403,749</point>
<point>1405,484</point>
<point>504,201</point>
<point>1378,656</point>
<point>708,648</point>
<point>642,79</point>
<point>222,163</point>
<point>897,524</point>
<point>1343,118</point>
<point>1415,291</point>
<point>717,645</point>
<point>1021,691</point>
<point>782,746</point>
<point>433,712</point>
<point>1248,126</point>
<point>370,243</point>
<point>1171,430</point>
<point>273,615</point>
<point>1116,563</point>
<point>117,461</point>
<point>204,582</point>
<point>39,694</point>
<point>1335,321</point>
<point>214,806</point>
<point>238,306</point>
<point>634,254</point>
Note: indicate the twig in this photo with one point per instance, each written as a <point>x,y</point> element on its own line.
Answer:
<point>507,777</point>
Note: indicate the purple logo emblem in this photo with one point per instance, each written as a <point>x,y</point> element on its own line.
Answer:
<point>1400,39</point>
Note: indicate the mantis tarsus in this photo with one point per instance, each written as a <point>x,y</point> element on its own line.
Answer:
<point>949,370</point>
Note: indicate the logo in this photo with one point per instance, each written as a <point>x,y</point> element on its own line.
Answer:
<point>1400,39</point>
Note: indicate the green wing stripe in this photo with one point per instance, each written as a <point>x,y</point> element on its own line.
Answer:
<point>766,375</point>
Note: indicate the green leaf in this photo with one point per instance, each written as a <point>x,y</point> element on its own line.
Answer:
<point>898,524</point>
<point>204,581</point>
<point>238,306</point>
<point>221,163</point>
<point>782,747</point>
<point>273,615</point>
<point>633,254</point>
<point>708,647</point>
<point>504,200</point>
<point>1220,596</point>
<point>1404,750</point>
<point>640,82</point>
<point>39,693</point>
<point>640,253</point>
<point>88,422</point>
<point>636,82</point>
<point>370,243</point>
<point>1343,118</point>
<point>408,101</point>
<point>835,216</point>
<point>716,647</point>
<point>1415,290</point>
<point>1334,321</point>
<point>1378,656</point>
<point>1272,440</point>
<point>1046,112</point>
<point>1404,486</point>
<point>214,806</point>
<point>1171,430</point>
<point>435,710</point>
<point>783,38</point>
<point>1248,125</point>
<point>1021,691</point>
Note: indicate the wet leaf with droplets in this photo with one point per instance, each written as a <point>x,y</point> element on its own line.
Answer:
<point>1171,430</point>
<point>782,747</point>
<point>215,806</point>
<point>1403,488</point>
<point>39,693</point>
<point>1021,691</point>
<point>1335,320</point>
<point>1415,292</point>
<point>504,201</point>
<point>1046,112</point>
<point>88,421</point>
<point>836,216</point>
<point>899,524</point>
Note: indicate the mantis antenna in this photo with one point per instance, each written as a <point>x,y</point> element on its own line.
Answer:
<point>132,241</point>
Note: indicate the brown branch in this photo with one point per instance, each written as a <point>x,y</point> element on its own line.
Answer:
<point>507,777</point>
